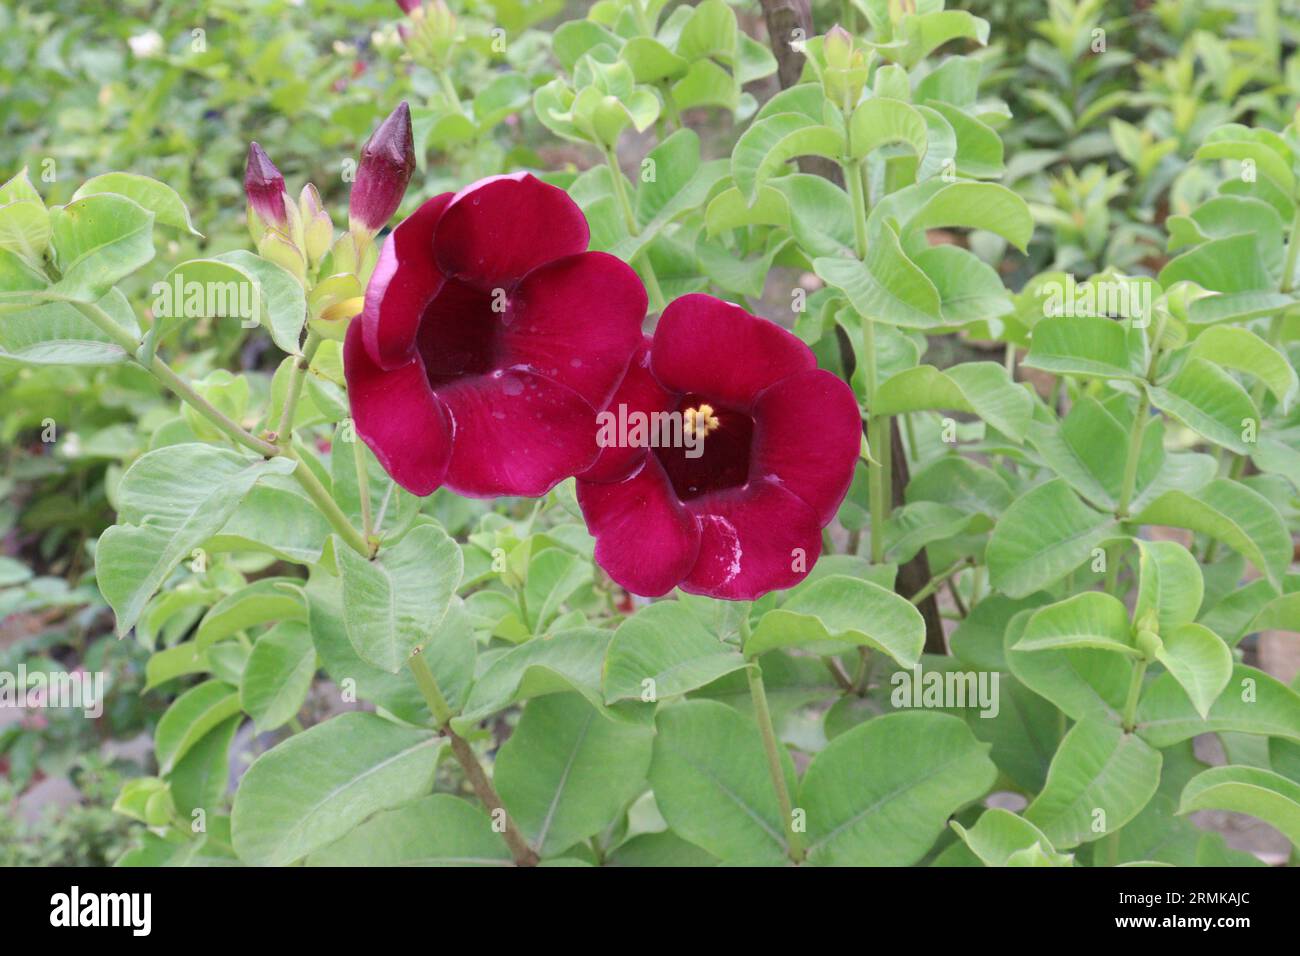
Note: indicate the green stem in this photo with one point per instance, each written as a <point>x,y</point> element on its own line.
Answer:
<point>936,582</point>
<point>297,378</point>
<point>449,88</point>
<point>1134,692</point>
<point>657,302</point>
<point>878,427</point>
<point>363,491</point>
<point>327,505</point>
<point>763,715</point>
<point>174,383</point>
<point>442,713</point>
<point>1134,452</point>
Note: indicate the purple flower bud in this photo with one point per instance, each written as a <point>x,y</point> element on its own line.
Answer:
<point>409,6</point>
<point>265,187</point>
<point>387,162</point>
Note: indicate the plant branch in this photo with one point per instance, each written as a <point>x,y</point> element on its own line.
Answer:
<point>771,746</point>
<point>297,378</point>
<point>442,713</point>
<point>173,382</point>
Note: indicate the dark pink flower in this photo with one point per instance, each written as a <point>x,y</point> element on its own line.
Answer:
<point>489,339</point>
<point>265,187</point>
<point>387,162</point>
<point>781,438</point>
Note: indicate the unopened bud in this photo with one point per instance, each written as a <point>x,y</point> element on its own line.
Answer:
<point>387,162</point>
<point>264,187</point>
<point>317,228</point>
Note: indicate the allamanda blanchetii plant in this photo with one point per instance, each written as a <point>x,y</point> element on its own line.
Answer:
<point>698,639</point>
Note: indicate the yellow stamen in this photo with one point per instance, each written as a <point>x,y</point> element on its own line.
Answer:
<point>700,420</point>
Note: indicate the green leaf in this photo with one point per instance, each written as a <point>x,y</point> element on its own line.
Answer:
<point>172,662</point>
<point>1243,350</point>
<point>1084,683</point>
<point>1230,264</point>
<point>190,717</point>
<point>1252,703</point>
<point>559,663</point>
<point>1091,619</point>
<point>667,645</point>
<point>57,334</point>
<point>199,779</point>
<point>710,780</point>
<point>554,575</point>
<point>979,148</point>
<point>318,785</point>
<point>979,388</point>
<point>880,121</point>
<point>1230,512</point>
<point>261,602</point>
<point>1262,794</point>
<point>838,611</point>
<point>170,502</point>
<point>924,33</point>
<point>392,604</point>
<point>866,807</point>
<point>281,299</point>
<point>97,241</point>
<point>651,60</point>
<point>1209,401</point>
<point>1088,346</point>
<point>710,31</point>
<point>25,230</point>
<point>1169,584</point>
<point>771,142</point>
<point>278,675</point>
<point>1042,537</point>
<point>1199,660</point>
<point>437,830</point>
<point>566,772</point>
<point>1100,779</point>
<point>166,205</point>
<point>1001,838</point>
<point>987,206</point>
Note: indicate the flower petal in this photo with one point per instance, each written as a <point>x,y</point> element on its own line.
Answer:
<point>639,392</point>
<point>403,284</point>
<point>807,435</point>
<point>757,539</point>
<point>705,345</point>
<point>499,229</point>
<point>516,433</point>
<point>645,540</point>
<point>397,415</point>
<point>576,321</point>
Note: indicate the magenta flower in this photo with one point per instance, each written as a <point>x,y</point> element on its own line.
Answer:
<point>265,187</point>
<point>387,162</point>
<point>489,339</point>
<point>743,515</point>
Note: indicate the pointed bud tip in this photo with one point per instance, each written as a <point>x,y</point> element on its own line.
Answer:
<point>387,163</point>
<point>264,186</point>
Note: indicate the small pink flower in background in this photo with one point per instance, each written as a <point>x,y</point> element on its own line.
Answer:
<point>780,441</point>
<point>490,338</point>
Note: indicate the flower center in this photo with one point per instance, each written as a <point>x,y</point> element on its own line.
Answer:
<point>700,421</point>
<point>459,334</point>
<point>715,451</point>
